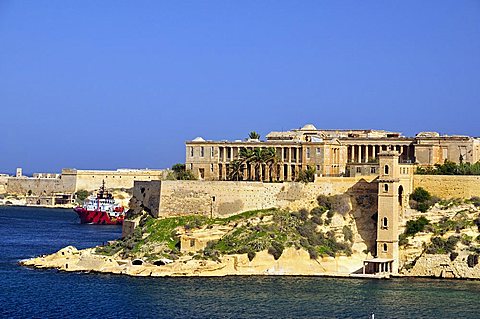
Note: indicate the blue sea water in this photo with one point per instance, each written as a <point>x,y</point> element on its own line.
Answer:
<point>30,293</point>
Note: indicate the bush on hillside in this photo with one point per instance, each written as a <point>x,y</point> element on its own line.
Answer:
<point>420,195</point>
<point>415,226</point>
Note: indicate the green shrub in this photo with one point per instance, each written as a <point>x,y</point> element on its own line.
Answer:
<point>312,252</point>
<point>276,250</point>
<point>251,255</point>
<point>439,245</point>
<point>303,214</point>
<point>82,194</point>
<point>415,226</point>
<point>466,240</point>
<point>423,207</point>
<point>324,201</point>
<point>318,211</point>
<point>475,201</point>
<point>403,239</point>
<point>317,220</point>
<point>330,214</point>
<point>347,233</point>
<point>453,256</point>
<point>472,260</point>
<point>306,175</point>
<point>420,195</point>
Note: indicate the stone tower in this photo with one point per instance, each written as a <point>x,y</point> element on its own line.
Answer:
<point>19,172</point>
<point>388,208</point>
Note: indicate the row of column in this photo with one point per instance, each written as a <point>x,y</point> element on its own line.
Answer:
<point>285,154</point>
<point>369,153</point>
<point>379,267</point>
<point>276,172</point>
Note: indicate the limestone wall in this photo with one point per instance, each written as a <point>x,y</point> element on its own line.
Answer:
<point>449,186</point>
<point>3,184</point>
<point>92,180</point>
<point>221,198</point>
<point>38,186</point>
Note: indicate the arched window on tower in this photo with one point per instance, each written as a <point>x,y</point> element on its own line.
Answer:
<point>385,222</point>
<point>385,188</point>
<point>400,195</point>
<point>385,247</point>
<point>387,169</point>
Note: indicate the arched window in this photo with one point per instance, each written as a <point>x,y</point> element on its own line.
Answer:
<point>385,247</point>
<point>385,188</point>
<point>387,169</point>
<point>385,222</point>
<point>400,195</point>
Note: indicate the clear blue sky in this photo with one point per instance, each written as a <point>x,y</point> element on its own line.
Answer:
<point>112,84</point>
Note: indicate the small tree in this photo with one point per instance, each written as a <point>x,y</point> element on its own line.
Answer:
<point>82,194</point>
<point>307,175</point>
<point>254,135</point>
<point>420,195</point>
<point>181,173</point>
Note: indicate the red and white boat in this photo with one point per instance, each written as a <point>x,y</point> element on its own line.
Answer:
<point>101,209</point>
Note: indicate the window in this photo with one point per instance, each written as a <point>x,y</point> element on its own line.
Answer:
<point>211,167</point>
<point>385,222</point>
<point>318,168</point>
<point>319,150</point>
<point>386,169</point>
<point>308,152</point>
<point>211,151</point>
<point>192,242</point>
<point>385,188</point>
<point>359,169</point>
<point>202,151</point>
<point>385,247</point>
<point>191,151</point>
<point>191,166</point>
<point>373,170</point>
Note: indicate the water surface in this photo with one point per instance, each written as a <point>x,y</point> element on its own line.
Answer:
<point>26,293</point>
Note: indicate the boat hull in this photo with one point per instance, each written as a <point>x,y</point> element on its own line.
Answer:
<point>97,217</point>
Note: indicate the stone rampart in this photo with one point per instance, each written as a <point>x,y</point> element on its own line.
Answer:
<point>449,186</point>
<point>3,184</point>
<point>221,198</point>
<point>38,186</point>
<point>92,180</point>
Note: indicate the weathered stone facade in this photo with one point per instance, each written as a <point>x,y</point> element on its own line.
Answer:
<point>330,152</point>
<point>223,199</point>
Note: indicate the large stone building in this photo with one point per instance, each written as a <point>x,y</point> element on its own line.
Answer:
<point>330,152</point>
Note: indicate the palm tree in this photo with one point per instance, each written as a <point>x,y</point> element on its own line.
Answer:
<point>269,157</point>
<point>235,170</point>
<point>258,156</point>
<point>247,157</point>
<point>254,135</point>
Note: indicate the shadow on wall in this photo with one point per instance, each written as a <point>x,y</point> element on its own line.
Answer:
<point>364,198</point>
<point>230,208</point>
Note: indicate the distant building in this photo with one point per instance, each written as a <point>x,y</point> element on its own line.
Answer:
<point>330,152</point>
<point>49,189</point>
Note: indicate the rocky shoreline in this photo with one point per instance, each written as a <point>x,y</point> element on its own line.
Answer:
<point>292,262</point>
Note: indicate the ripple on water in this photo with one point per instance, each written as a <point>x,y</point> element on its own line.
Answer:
<point>26,232</point>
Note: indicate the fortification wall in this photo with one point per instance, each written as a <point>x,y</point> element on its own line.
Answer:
<point>3,184</point>
<point>38,186</point>
<point>449,186</point>
<point>92,180</point>
<point>221,198</point>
